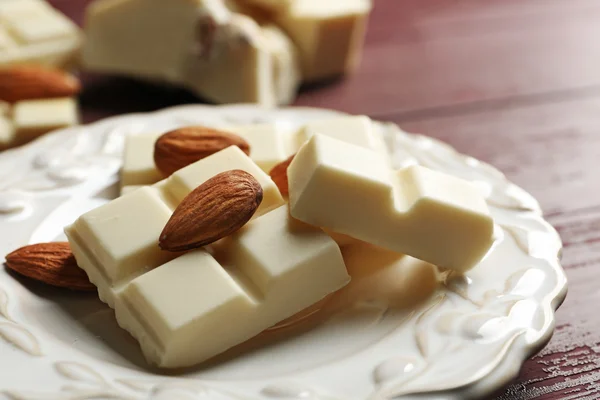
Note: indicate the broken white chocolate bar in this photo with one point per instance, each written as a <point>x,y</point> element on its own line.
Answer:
<point>199,305</point>
<point>118,241</point>
<point>32,118</point>
<point>138,161</point>
<point>416,211</point>
<point>329,34</point>
<point>32,32</point>
<point>196,306</point>
<point>221,55</point>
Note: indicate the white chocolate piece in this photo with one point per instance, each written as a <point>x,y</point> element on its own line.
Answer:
<point>31,31</point>
<point>7,132</point>
<point>118,241</point>
<point>329,34</point>
<point>128,189</point>
<point>358,130</point>
<point>196,306</point>
<point>271,5</point>
<point>269,145</point>
<point>416,211</point>
<point>138,161</point>
<point>221,55</point>
<point>33,118</point>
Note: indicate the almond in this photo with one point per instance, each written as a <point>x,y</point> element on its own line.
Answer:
<point>280,177</point>
<point>50,263</point>
<point>182,147</point>
<point>215,209</point>
<point>25,82</point>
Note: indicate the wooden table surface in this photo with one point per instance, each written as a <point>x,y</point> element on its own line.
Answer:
<point>513,82</point>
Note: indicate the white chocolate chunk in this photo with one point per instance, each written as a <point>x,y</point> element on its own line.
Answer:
<point>187,179</point>
<point>33,118</point>
<point>7,133</point>
<point>138,161</point>
<point>358,130</point>
<point>221,55</point>
<point>35,21</point>
<point>31,31</point>
<point>128,189</point>
<point>269,145</point>
<point>116,242</point>
<point>329,34</point>
<point>195,307</point>
<point>416,211</point>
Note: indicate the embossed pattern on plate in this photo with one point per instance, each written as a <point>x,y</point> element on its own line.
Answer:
<point>467,341</point>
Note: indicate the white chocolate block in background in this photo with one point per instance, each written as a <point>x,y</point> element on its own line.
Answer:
<point>33,118</point>
<point>138,160</point>
<point>329,34</point>
<point>221,55</point>
<point>197,307</point>
<point>416,211</point>
<point>31,31</point>
<point>118,241</point>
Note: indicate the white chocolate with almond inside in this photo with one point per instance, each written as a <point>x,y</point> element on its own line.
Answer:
<point>199,305</point>
<point>221,55</point>
<point>118,241</point>
<point>416,211</point>
<point>33,32</point>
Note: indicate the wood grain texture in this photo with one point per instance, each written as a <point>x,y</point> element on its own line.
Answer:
<point>513,82</point>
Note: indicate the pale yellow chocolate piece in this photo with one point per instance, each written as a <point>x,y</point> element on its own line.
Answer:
<point>138,161</point>
<point>128,189</point>
<point>31,31</point>
<point>119,241</point>
<point>221,55</point>
<point>32,118</point>
<point>200,305</point>
<point>269,144</point>
<point>358,130</point>
<point>7,132</point>
<point>329,34</point>
<point>416,211</point>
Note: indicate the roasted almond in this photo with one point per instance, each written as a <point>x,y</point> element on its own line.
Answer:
<point>215,209</point>
<point>50,263</point>
<point>280,177</point>
<point>28,82</point>
<point>182,147</point>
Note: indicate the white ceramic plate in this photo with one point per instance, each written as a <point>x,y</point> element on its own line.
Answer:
<point>467,341</point>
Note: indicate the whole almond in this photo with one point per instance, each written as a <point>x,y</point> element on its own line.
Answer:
<point>215,209</point>
<point>280,177</point>
<point>182,147</point>
<point>50,263</point>
<point>27,82</point>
